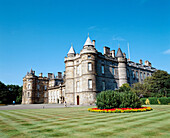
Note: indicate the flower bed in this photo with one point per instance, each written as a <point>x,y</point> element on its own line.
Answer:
<point>120,110</point>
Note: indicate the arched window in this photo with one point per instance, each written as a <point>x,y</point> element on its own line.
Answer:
<point>29,86</point>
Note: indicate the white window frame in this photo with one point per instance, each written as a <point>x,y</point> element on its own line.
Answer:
<point>89,66</point>
<point>90,85</point>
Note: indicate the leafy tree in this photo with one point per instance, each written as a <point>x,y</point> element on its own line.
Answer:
<point>10,93</point>
<point>157,85</point>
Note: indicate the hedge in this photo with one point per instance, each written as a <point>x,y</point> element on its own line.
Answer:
<point>155,100</point>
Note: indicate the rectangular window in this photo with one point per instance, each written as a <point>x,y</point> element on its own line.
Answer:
<point>77,86</point>
<point>89,67</point>
<point>45,87</point>
<point>133,74</point>
<point>77,70</point>
<point>102,69</point>
<point>113,71</point>
<point>141,75</point>
<point>144,75</point>
<point>136,74</point>
<point>103,85</point>
<point>45,94</point>
<point>90,84</point>
<point>38,94</point>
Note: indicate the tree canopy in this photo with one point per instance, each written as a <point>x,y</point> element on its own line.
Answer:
<point>10,93</point>
<point>157,85</point>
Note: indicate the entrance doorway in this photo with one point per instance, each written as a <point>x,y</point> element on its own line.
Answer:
<point>77,99</point>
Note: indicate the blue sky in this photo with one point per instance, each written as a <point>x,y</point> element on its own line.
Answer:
<point>38,34</point>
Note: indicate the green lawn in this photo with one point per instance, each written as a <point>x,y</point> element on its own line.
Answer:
<point>78,122</point>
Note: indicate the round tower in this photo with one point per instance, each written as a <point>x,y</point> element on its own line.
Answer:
<point>122,63</point>
<point>88,76</point>
<point>69,76</point>
<point>29,88</point>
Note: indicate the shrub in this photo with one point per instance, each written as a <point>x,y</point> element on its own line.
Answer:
<point>114,99</point>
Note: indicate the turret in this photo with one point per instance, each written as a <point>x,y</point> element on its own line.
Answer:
<point>71,52</point>
<point>122,61</point>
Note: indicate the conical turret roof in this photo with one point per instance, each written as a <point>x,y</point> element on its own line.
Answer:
<point>119,53</point>
<point>88,42</point>
<point>71,51</point>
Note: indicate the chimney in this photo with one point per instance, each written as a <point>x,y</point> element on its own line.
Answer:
<point>113,53</point>
<point>94,41</point>
<point>41,74</point>
<point>49,75</point>
<point>147,63</point>
<point>140,61</point>
<point>124,55</point>
<point>106,51</point>
<point>60,75</point>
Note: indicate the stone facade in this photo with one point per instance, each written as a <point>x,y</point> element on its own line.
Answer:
<point>86,74</point>
<point>39,89</point>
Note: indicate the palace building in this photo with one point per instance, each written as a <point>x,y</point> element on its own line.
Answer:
<point>86,74</point>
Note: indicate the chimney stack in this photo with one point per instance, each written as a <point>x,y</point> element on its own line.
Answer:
<point>113,53</point>
<point>147,63</point>
<point>60,75</point>
<point>106,51</point>
<point>94,42</point>
<point>41,74</point>
<point>140,61</point>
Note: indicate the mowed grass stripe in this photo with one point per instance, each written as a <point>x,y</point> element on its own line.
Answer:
<point>81,123</point>
<point>143,129</point>
<point>108,124</point>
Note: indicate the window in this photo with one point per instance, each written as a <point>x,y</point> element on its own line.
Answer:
<point>89,67</point>
<point>136,74</point>
<point>38,87</point>
<point>45,94</point>
<point>141,75</point>
<point>38,94</point>
<point>77,86</point>
<point>28,94</point>
<point>103,85</point>
<point>113,70</point>
<point>77,70</point>
<point>128,73</point>
<point>102,69</point>
<point>90,84</point>
<point>133,74</point>
<point>89,57</point>
<point>144,75</point>
<point>29,86</point>
<point>45,87</point>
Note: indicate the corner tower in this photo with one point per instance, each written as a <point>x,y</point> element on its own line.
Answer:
<point>122,63</point>
<point>80,75</point>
